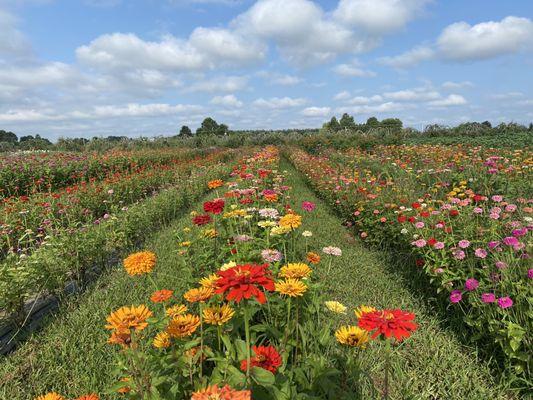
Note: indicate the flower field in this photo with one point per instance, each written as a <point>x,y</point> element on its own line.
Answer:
<point>462,214</point>
<point>234,281</point>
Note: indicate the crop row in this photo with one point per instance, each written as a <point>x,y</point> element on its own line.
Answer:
<point>460,212</point>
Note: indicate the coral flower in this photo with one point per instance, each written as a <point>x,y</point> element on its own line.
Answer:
<point>50,396</point>
<point>218,315</point>
<point>161,296</point>
<point>215,183</point>
<point>335,307</point>
<point>291,221</point>
<point>215,206</point>
<point>313,257</point>
<point>162,340</point>
<point>140,263</point>
<point>200,220</point>
<point>225,393</point>
<point>245,282</point>
<point>198,294</point>
<point>359,311</point>
<point>295,270</point>
<point>291,287</point>
<point>89,397</point>
<point>183,325</point>
<point>209,281</point>
<point>176,310</point>
<point>265,357</point>
<point>389,323</point>
<point>352,336</point>
<point>129,318</point>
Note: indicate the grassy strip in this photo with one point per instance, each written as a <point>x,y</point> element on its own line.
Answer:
<point>431,365</point>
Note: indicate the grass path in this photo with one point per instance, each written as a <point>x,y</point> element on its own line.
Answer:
<point>431,365</point>
<point>71,355</point>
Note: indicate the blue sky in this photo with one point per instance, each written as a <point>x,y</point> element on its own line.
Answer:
<point>145,67</point>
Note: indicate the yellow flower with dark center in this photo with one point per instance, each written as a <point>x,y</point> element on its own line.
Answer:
<point>352,336</point>
<point>295,270</point>
<point>209,281</point>
<point>363,309</point>
<point>198,294</point>
<point>50,396</point>
<point>183,325</point>
<point>176,310</point>
<point>140,263</point>
<point>218,315</point>
<point>129,318</point>
<point>162,340</point>
<point>291,287</point>
<point>335,307</point>
<point>291,221</point>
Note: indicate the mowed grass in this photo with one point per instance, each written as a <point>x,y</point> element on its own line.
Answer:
<point>71,355</point>
<point>432,364</point>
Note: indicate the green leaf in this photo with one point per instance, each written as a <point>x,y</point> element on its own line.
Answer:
<point>262,376</point>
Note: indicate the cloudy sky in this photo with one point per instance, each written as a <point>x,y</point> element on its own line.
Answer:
<point>145,67</point>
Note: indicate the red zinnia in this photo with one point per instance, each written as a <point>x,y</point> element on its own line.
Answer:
<point>415,205</point>
<point>454,213</point>
<point>245,282</point>
<point>432,241</point>
<point>215,206</point>
<point>402,218</point>
<point>389,323</point>
<point>201,220</point>
<point>265,357</point>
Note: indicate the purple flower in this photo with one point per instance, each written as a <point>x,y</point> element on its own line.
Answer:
<point>510,241</point>
<point>463,244</point>
<point>456,296</point>
<point>488,298</point>
<point>471,284</point>
<point>519,232</point>
<point>308,206</point>
<point>505,302</point>
<point>480,253</point>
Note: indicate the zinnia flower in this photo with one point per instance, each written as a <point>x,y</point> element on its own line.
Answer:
<point>265,357</point>
<point>162,340</point>
<point>244,282</point>
<point>209,281</point>
<point>313,257</point>
<point>89,397</point>
<point>471,284</point>
<point>352,336</point>
<point>359,311</point>
<point>161,296</point>
<point>336,307</point>
<point>140,263</point>
<point>183,325</point>
<point>198,294</point>
<point>290,221</point>
<point>456,296</point>
<point>488,298</point>
<point>332,251</point>
<point>270,255</point>
<point>388,323</point>
<point>215,206</point>
<point>308,206</point>
<point>215,183</point>
<point>505,302</point>
<point>291,287</point>
<point>50,396</point>
<point>295,270</point>
<point>129,318</point>
<point>225,393</point>
<point>200,220</point>
<point>176,310</point>
<point>218,315</point>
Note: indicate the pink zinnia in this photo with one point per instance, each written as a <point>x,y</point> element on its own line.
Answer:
<point>419,243</point>
<point>456,296</point>
<point>478,210</point>
<point>480,253</point>
<point>308,206</point>
<point>510,241</point>
<point>459,254</point>
<point>439,245</point>
<point>497,198</point>
<point>505,302</point>
<point>419,225</point>
<point>488,298</point>
<point>463,244</point>
<point>471,284</point>
<point>530,273</point>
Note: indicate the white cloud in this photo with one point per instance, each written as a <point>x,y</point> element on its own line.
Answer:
<point>316,111</point>
<point>286,80</point>
<point>344,95</point>
<point>378,17</point>
<point>12,40</point>
<point>409,58</point>
<point>418,94</point>
<point>279,102</point>
<point>506,96</point>
<point>464,42</point>
<point>451,100</point>
<point>457,85</point>
<point>219,84</point>
<point>142,110</point>
<point>353,69</point>
<point>359,100</point>
<point>226,101</point>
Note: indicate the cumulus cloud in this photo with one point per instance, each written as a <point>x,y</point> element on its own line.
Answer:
<point>409,58</point>
<point>344,95</point>
<point>279,102</point>
<point>354,69</point>
<point>450,100</point>
<point>226,101</point>
<point>417,94</point>
<point>13,43</point>
<point>316,112</point>
<point>218,84</point>
<point>450,85</point>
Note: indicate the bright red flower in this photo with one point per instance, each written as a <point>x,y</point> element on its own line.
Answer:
<point>454,213</point>
<point>415,205</point>
<point>266,357</point>
<point>215,206</point>
<point>424,214</point>
<point>245,282</point>
<point>402,219</point>
<point>389,323</point>
<point>201,220</point>
<point>411,219</point>
<point>432,241</point>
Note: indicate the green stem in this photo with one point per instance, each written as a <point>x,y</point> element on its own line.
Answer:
<point>248,351</point>
<point>201,338</point>
<point>387,368</point>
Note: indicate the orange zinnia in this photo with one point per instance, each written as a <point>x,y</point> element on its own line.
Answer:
<point>50,396</point>
<point>313,257</point>
<point>129,318</point>
<point>89,397</point>
<point>183,325</point>
<point>161,296</point>
<point>140,263</point>
<point>224,393</point>
<point>215,183</point>
<point>198,294</point>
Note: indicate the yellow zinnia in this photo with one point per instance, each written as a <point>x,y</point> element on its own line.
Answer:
<point>209,281</point>
<point>291,221</point>
<point>162,340</point>
<point>295,270</point>
<point>50,396</point>
<point>209,233</point>
<point>176,310</point>
<point>359,311</point>
<point>218,315</point>
<point>280,230</point>
<point>228,265</point>
<point>129,318</point>
<point>291,287</point>
<point>198,294</point>
<point>140,263</point>
<point>183,325</point>
<point>352,336</point>
<point>335,307</point>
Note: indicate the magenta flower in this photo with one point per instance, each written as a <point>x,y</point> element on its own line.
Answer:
<point>510,208</point>
<point>471,284</point>
<point>308,206</point>
<point>488,298</point>
<point>463,244</point>
<point>510,241</point>
<point>519,232</point>
<point>530,273</point>
<point>492,245</point>
<point>456,296</point>
<point>480,253</point>
<point>505,302</point>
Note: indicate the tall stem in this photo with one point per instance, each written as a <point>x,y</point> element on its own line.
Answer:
<point>201,338</point>
<point>247,334</point>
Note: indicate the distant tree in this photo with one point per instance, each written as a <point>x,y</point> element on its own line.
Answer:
<point>26,138</point>
<point>222,130</point>
<point>7,136</point>
<point>347,121</point>
<point>486,124</point>
<point>211,127</point>
<point>393,124</point>
<point>372,122</point>
<point>333,125</point>
<point>185,131</point>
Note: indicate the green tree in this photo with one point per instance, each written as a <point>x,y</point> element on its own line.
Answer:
<point>6,136</point>
<point>394,124</point>
<point>372,122</point>
<point>185,131</point>
<point>333,125</point>
<point>209,127</point>
<point>347,121</point>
